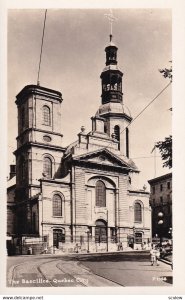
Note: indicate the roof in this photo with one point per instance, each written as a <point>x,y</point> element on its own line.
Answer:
<point>160,178</point>
<point>114,108</point>
<point>39,90</point>
<point>123,159</point>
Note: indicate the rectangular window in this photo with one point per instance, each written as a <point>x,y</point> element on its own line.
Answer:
<point>153,190</point>
<point>113,234</point>
<point>161,200</point>
<point>81,239</point>
<point>34,222</point>
<point>168,185</point>
<point>138,237</point>
<point>161,187</point>
<point>45,238</point>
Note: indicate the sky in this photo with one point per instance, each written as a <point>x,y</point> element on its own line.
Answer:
<point>73,59</point>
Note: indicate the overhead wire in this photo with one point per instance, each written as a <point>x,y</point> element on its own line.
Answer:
<point>140,111</point>
<point>145,108</point>
<point>147,105</point>
<point>38,82</point>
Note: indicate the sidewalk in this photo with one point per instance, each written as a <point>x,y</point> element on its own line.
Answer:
<point>84,253</point>
<point>166,261</point>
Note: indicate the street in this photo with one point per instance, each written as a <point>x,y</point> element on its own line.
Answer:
<point>82,270</point>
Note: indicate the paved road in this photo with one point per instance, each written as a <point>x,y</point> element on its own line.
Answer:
<point>130,270</point>
<point>51,271</point>
<point>125,269</point>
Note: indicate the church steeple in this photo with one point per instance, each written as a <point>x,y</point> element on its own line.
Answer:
<point>111,77</point>
<point>112,109</point>
<point>111,53</point>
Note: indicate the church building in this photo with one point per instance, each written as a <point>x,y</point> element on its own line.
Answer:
<point>82,197</point>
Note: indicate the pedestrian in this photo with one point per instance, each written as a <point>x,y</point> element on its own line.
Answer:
<point>157,254</point>
<point>163,252</point>
<point>45,249</point>
<point>153,255</point>
<point>121,246</point>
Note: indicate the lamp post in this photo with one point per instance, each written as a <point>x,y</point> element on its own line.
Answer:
<point>160,223</point>
<point>171,235</point>
<point>170,232</point>
<point>88,233</point>
<point>134,236</point>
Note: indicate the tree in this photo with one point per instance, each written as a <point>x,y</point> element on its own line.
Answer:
<point>165,148</point>
<point>167,73</point>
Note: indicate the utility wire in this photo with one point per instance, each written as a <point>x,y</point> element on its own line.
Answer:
<point>38,82</point>
<point>148,105</point>
<point>140,111</point>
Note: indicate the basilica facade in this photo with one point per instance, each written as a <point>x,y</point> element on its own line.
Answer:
<point>82,197</point>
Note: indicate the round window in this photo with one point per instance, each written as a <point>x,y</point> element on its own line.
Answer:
<point>47,138</point>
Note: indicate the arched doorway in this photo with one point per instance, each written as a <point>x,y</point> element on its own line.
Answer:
<point>101,231</point>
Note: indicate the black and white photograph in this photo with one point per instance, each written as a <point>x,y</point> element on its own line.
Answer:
<point>89,177</point>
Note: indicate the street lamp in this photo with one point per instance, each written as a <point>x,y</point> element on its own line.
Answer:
<point>160,223</point>
<point>88,233</point>
<point>171,235</point>
<point>134,236</point>
<point>170,232</point>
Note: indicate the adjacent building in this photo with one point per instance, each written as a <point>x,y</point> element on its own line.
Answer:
<point>83,197</point>
<point>161,201</point>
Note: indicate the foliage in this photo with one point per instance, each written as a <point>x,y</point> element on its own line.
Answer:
<point>167,73</point>
<point>165,148</point>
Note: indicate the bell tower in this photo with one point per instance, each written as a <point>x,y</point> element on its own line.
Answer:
<point>39,149</point>
<point>111,77</point>
<point>112,108</point>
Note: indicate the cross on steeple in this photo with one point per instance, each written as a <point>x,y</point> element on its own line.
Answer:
<point>111,19</point>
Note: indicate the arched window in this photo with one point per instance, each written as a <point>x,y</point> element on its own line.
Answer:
<point>100,194</point>
<point>47,167</point>
<point>46,115</point>
<point>57,206</point>
<point>117,135</point>
<point>137,212</point>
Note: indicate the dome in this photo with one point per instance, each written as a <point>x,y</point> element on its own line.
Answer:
<point>112,107</point>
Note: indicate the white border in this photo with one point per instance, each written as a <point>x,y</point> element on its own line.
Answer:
<point>178,10</point>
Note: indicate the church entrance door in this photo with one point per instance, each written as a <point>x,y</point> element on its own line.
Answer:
<point>101,231</point>
<point>58,236</point>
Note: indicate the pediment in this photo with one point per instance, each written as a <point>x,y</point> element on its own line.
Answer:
<point>105,157</point>
<point>102,159</point>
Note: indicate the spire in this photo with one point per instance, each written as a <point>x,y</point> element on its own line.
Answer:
<point>111,75</point>
<point>111,19</point>
<point>111,49</point>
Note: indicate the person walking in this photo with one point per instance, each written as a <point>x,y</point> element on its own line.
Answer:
<point>152,255</point>
<point>157,254</point>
